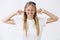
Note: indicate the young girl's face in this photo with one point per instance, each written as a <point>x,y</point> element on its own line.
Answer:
<point>30,11</point>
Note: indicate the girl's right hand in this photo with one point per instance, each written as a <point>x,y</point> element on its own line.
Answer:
<point>19,12</point>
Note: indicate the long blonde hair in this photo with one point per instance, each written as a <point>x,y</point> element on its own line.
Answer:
<point>34,17</point>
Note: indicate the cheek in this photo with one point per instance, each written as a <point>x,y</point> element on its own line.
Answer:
<point>26,12</point>
<point>33,12</point>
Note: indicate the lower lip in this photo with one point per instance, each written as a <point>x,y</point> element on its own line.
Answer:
<point>30,14</point>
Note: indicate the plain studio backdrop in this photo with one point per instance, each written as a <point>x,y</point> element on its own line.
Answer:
<point>8,31</point>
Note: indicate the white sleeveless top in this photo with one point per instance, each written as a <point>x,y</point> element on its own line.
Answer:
<point>31,34</point>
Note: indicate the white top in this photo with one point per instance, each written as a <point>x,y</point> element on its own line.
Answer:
<point>31,35</point>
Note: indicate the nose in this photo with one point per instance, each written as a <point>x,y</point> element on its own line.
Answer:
<point>30,11</point>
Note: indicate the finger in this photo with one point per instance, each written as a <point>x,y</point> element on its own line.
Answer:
<point>39,11</point>
<point>22,11</point>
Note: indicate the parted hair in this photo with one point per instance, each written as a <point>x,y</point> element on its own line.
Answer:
<point>34,17</point>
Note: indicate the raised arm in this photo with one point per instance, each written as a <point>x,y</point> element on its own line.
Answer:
<point>52,18</point>
<point>8,19</point>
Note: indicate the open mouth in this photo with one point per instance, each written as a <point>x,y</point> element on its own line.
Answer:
<point>30,14</point>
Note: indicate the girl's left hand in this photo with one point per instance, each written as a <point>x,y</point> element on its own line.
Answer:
<point>40,11</point>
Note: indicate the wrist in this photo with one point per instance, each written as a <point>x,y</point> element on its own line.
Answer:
<point>14,14</point>
<point>45,11</point>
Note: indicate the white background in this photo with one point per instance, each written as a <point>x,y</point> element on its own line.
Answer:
<point>8,31</point>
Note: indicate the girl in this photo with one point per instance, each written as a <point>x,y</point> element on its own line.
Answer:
<point>30,25</point>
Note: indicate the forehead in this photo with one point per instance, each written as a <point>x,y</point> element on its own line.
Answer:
<point>30,6</point>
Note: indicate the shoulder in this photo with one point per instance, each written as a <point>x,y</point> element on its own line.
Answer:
<point>17,17</point>
<point>42,18</point>
<point>42,21</point>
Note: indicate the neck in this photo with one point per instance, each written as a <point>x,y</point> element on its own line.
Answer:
<point>30,18</point>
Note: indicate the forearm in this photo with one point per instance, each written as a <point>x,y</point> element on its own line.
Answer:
<point>51,15</point>
<point>9,17</point>
<point>13,14</point>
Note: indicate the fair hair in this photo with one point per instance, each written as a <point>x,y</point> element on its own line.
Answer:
<point>34,17</point>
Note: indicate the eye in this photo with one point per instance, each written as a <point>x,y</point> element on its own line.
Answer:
<point>28,10</point>
<point>31,9</point>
